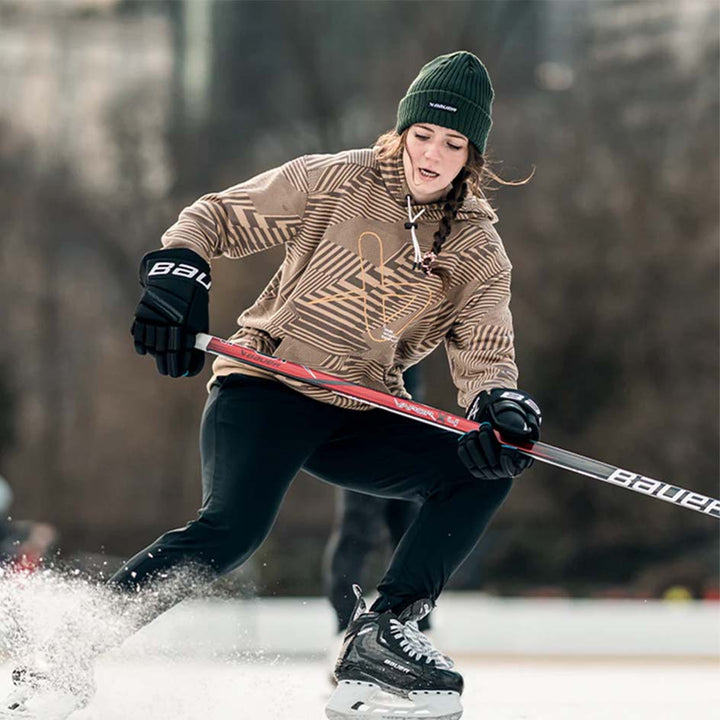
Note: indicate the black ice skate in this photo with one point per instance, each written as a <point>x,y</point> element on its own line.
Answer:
<point>388,670</point>
<point>39,695</point>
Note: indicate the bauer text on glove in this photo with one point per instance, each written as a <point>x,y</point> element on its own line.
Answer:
<point>172,310</point>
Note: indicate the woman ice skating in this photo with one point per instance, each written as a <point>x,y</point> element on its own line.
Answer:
<point>389,252</point>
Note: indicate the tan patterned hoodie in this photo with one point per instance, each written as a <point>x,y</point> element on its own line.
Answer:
<point>346,298</point>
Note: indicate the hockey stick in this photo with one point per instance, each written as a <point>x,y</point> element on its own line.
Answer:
<point>424,413</point>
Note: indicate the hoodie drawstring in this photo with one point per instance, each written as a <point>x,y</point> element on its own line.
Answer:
<point>411,225</point>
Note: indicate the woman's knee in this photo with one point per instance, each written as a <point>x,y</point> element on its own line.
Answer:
<point>220,545</point>
<point>488,494</point>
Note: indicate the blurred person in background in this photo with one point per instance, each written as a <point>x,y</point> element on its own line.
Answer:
<point>363,523</point>
<point>391,251</point>
<point>24,544</point>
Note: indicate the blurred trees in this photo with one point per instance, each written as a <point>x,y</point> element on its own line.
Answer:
<point>628,371</point>
<point>117,114</point>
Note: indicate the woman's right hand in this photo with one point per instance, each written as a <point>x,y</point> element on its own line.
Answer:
<point>172,310</point>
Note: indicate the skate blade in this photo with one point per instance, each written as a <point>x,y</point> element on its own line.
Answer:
<point>355,699</point>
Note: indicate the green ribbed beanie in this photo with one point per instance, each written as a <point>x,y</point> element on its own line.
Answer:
<point>453,91</point>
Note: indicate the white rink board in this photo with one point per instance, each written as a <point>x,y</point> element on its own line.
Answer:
<point>185,689</point>
<point>463,624</point>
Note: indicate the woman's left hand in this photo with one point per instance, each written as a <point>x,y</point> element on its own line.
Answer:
<point>516,416</point>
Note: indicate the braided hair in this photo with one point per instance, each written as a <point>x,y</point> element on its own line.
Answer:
<point>453,202</point>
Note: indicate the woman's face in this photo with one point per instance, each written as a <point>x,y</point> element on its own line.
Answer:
<point>432,157</point>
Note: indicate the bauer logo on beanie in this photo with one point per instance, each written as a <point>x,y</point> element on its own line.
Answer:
<point>440,106</point>
<point>453,91</point>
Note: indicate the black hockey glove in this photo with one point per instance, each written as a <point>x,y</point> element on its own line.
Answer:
<point>516,416</point>
<point>172,309</point>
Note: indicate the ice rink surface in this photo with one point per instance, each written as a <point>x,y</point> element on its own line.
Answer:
<point>266,659</point>
<point>280,688</point>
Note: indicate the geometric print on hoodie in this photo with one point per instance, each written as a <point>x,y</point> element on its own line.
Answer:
<point>346,298</point>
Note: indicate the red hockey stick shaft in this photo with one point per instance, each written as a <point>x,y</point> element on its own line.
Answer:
<point>425,413</point>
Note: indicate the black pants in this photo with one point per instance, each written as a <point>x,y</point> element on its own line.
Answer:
<point>256,434</point>
<point>362,524</point>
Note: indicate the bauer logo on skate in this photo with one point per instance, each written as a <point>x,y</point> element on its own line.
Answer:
<point>397,666</point>
<point>660,489</point>
<point>180,270</point>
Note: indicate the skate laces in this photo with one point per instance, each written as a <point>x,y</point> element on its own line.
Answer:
<point>417,645</point>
